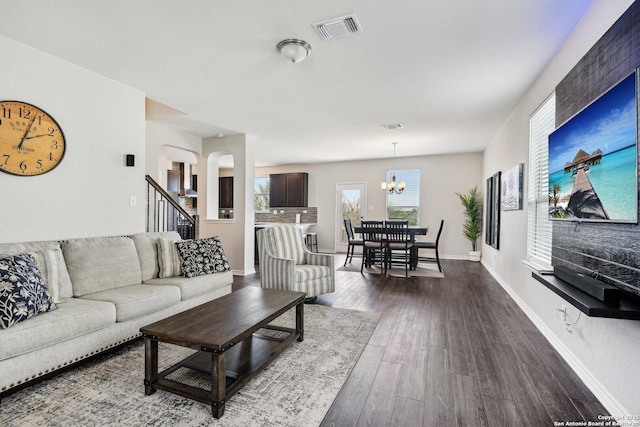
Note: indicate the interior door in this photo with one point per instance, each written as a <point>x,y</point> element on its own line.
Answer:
<point>350,203</point>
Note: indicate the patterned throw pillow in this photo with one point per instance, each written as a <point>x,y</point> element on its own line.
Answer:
<point>168,258</point>
<point>202,256</point>
<point>23,293</point>
<point>49,265</point>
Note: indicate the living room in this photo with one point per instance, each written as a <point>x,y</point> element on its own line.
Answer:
<point>104,119</point>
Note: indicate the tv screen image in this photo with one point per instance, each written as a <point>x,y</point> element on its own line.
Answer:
<point>593,159</point>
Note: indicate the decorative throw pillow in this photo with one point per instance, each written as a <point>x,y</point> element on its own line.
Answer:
<point>168,258</point>
<point>202,256</point>
<point>49,265</point>
<point>23,293</point>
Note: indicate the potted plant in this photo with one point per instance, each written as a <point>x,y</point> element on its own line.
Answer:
<point>472,228</point>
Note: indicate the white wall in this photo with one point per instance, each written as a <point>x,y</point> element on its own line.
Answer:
<point>88,193</point>
<point>441,177</point>
<point>160,136</point>
<point>236,235</point>
<point>602,351</point>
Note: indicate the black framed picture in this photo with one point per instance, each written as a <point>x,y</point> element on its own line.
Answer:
<point>492,212</point>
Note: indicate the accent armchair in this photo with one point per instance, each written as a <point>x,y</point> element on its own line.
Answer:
<point>286,263</point>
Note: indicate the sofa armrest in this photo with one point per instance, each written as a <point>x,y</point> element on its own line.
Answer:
<point>275,272</point>
<point>314,258</point>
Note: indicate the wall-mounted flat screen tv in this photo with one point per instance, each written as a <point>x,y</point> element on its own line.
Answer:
<point>593,160</point>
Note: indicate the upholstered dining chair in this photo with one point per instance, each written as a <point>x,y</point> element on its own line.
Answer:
<point>429,245</point>
<point>399,245</point>
<point>374,246</point>
<point>351,240</point>
<point>286,263</point>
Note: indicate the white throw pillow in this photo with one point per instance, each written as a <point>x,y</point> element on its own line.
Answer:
<point>168,258</point>
<point>49,263</point>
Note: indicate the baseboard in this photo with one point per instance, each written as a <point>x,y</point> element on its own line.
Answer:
<point>455,257</point>
<point>608,401</point>
<point>243,272</point>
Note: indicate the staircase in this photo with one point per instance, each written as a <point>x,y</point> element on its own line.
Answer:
<point>164,213</point>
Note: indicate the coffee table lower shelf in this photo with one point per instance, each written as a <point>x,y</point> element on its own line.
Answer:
<point>241,363</point>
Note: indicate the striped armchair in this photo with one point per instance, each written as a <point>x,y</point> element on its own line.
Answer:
<point>286,263</point>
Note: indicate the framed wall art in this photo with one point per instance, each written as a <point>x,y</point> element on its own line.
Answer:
<point>511,185</point>
<point>492,217</point>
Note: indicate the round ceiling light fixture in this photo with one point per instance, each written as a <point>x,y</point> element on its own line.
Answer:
<point>294,50</point>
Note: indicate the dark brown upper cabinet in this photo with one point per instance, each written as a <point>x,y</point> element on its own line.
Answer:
<point>225,192</point>
<point>289,190</point>
<point>173,181</point>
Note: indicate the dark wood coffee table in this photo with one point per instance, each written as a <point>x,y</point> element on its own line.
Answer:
<point>232,349</point>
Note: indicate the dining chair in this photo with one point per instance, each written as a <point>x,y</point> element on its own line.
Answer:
<point>351,240</point>
<point>399,245</point>
<point>429,245</point>
<point>374,247</point>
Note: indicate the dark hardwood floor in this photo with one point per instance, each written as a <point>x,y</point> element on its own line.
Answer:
<point>452,351</point>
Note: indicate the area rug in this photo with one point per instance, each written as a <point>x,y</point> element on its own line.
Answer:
<point>297,389</point>
<point>423,270</point>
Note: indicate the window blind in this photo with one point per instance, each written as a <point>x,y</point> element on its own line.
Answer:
<point>539,230</point>
<point>405,205</point>
<point>411,195</point>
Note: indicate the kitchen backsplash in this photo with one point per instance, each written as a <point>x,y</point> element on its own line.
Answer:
<point>288,215</point>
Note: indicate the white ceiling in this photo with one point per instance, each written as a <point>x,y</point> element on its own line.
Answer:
<point>449,70</point>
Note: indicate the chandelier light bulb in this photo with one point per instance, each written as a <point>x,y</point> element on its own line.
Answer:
<point>393,186</point>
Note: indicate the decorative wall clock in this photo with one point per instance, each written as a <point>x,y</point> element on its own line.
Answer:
<point>31,141</point>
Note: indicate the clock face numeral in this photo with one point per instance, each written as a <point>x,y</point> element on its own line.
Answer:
<point>31,141</point>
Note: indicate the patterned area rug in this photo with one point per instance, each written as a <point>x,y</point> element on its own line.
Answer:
<point>297,389</point>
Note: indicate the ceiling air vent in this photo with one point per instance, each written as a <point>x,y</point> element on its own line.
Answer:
<point>392,126</point>
<point>338,27</point>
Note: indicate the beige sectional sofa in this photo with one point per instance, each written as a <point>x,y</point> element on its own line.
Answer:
<point>109,287</point>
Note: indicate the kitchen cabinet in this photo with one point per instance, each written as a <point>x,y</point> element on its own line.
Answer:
<point>194,187</point>
<point>173,181</point>
<point>289,190</point>
<point>225,192</point>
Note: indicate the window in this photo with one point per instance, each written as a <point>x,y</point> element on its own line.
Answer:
<point>406,205</point>
<point>261,194</point>
<point>539,231</point>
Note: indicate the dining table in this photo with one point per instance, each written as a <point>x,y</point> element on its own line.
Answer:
<point>414,230</point>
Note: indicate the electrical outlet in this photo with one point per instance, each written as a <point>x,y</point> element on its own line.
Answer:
<point>562,313</point>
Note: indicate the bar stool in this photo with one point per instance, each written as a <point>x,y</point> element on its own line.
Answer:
<point>311,240</point>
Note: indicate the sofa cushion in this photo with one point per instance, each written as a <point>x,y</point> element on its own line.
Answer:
<point>23,293</point>
<point>191,287</point>
<point>304,273</point>
<point>66,291</point>
<point>101,263</point>
<point>72,318</point>
<point>146,245</point>
<point>137,300</point>
<point>202,256</point>
<point>169,264</point>
<point>285,241</point>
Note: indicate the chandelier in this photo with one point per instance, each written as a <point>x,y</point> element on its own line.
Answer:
<point>393,186</point>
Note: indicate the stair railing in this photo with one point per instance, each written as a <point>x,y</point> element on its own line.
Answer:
<point>164,213</point>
